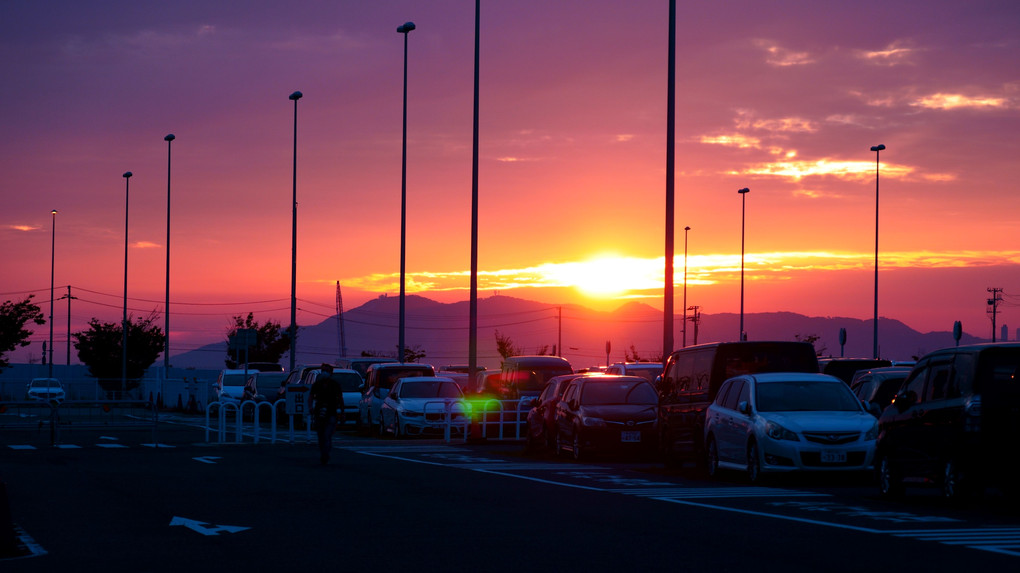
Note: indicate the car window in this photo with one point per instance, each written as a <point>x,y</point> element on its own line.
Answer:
<point>720,398</point>
<point>745,394</point>
<point>733,394</point>
<point>568,395</point>
<point>938,381</point>
<point>805,397</point>
<point>915,382</point>
<point>349,381</point>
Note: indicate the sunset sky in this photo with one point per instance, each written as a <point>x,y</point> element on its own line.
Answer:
<point>783,97</point>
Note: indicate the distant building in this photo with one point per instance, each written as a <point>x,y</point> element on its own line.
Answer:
<point>1005,333</point>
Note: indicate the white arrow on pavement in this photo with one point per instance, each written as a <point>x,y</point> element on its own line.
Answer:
<point>205,528</point>
<point>206,459</point>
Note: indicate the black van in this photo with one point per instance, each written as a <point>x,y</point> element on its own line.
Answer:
<point>692,378</point>
<point>954,422</point>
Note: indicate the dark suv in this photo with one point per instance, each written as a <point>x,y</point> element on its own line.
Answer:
<point>953,422</point>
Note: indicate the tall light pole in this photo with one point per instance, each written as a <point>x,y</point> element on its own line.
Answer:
<point>124,321</point>
<point>743,201</point>
<point>166,306</point>
<point>292,330</point>
<point>667,295</point>
<point>473,300</point>
<point>404,29</point>
<point>874,349</point>
<point>684,343</point>
<point>53,252</point>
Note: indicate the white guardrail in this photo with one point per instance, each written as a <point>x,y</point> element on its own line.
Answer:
<point>488,419</point>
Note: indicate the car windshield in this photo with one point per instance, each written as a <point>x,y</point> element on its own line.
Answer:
<point>44,383</point>
<point>805,397</point>
<point>349,381</point>
<point>613,392</point>
<point>430,389</point>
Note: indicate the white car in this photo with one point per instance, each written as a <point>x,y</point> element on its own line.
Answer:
<point>48,389</point>
<point>382,377</point>
<point>424,404</point>
<point>230,384</point>
<point>351,386</point>
<point>782,422</point>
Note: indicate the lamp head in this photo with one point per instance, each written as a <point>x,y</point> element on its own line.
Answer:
<point>54,211</point>
<point>877,147</point>
<point>169,137</point>
<point>127,174</point>
<point>687,228</point>
<point>295,96</point>
<point>744,190</point>
<point>407,27</point>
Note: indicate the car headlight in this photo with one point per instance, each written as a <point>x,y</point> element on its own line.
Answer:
<point>872,434</point>
<point>777,432</point>
<point>593,422</point>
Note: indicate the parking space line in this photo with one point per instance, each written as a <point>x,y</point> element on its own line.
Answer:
<point>717,492</point>
<point>21,447</point>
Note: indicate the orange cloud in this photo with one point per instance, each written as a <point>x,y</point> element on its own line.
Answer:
<point>954,101</point>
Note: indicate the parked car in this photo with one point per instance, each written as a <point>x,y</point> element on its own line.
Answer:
<point>692,378</point>
<point>541,429</point>
<point>488,383</point>
<point>647,370</point>
<point>382,377</point>
<point>48,389</point>
<point>877,386</point>
<point>784,422</point>
<point>953,423</point>
<point>351,387</point>
<point>606,414</point>
<point>263,385</point>
<point>525,376</point>
<point>844,368</point>
<point>230,384</point>
<point>420,404</point>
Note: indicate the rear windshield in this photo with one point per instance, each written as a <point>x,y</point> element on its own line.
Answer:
<point>762,357</point>
<point>595,393</point>
<point>234,379</point>
<point>648,372</point>
<point>536,378</point>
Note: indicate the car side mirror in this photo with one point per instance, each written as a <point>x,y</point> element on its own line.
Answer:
<point>744,407</point>
<point>874,410</point>
<point>905,400</point>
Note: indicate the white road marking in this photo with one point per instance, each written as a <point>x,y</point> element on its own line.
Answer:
<point>205,528</point>
<point>207,459</point>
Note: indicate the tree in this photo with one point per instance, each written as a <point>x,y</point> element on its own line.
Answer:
<point>413,354</point>
<point>13,318</point>
<point>99,348</point>
<point>811,338</point>
<point>270,341</point>
<point>505,346</point>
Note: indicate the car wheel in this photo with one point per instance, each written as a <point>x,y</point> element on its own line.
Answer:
<point>576,447</point>
<point>890,483</point>
<point>381,427</point>
<point>753,463</point>
<point>560,445</point>
<point>396,425</point>
<point>530,441</point>
<point>957,483</point>
<point>713,458</point>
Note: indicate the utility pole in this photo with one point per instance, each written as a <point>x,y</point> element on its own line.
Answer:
<point>69,299</point>
<point>340,320</point>
<point>993,306</point>
<point>696,319</point>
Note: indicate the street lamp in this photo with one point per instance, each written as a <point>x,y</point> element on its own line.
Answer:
<point>684,342</point>
<point>743,200</point>
<point>166,307</point>
<point>473,296</point>
<point>292,331</point>
<point>874,350</point>
<point>404,29</point>
<point>124,322</point>
<point>53,252</point>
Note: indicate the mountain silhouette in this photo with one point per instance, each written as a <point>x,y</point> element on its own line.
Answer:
<point>441,331</point>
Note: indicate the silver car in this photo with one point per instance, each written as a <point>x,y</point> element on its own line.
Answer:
<point>783,422</point>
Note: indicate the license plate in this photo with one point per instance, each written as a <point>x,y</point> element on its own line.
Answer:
<point>630,436</point>
<point>833,457</point>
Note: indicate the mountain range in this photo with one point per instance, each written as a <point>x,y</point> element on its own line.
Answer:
<point>581,335</point>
